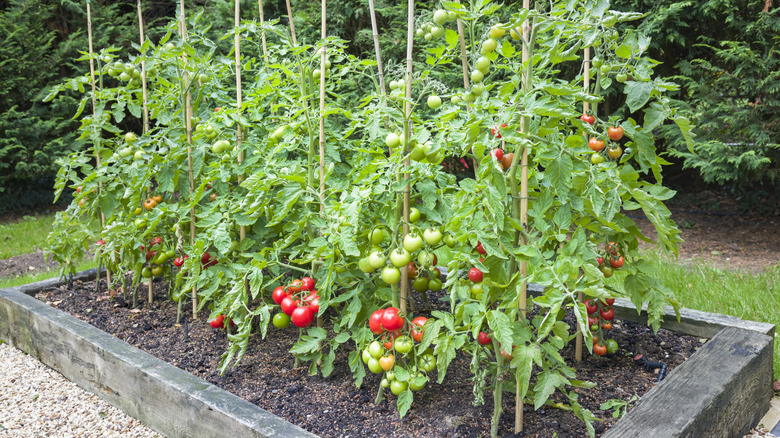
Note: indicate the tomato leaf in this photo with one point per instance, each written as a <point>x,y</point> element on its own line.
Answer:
<point>405,400</point>
<point>638,93</point>
<point>546,383</point>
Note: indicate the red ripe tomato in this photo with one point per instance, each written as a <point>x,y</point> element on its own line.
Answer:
<point>289,305</point>
<point>591,307</point>
<point>484,339</point>
<point>179,261</point>
<point>609,301</point>
<point>155,241</point>
<point>100,242</point>
<point>496,131</point>
<point>294,287</point>
<point>600,260</point>
<point>498,154</point>
<point>588,119</point>
<point>475,275</point>
<point>612,248</point>
<point>411,270</point>
<point>480,249</point>
<point>506,162</point>
<point>599,350</point>
<point>302,317</point>
<point>595,144</point>
<point>218,322</point>
<point>417,324</point>
<point>615,133</point>
<point>307,283</point>
<point>606,325</point>
<point>390,319</point>
<point>592,320</point>
<point>616,262</point>
<point>278,295</point>
<point>314,304</point>
<point>609,314</point>
<point>150,255</point>
<point>375,322</point>
<point>204,259</point>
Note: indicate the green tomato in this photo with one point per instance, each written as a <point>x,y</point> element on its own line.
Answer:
<point>281,320</point>
<point>420,33</point>
<point>476,291</point>
<point>483,63</point>
<point>385,383</point>
<point>424,258</point>
<point>130,137</point>
<point>390,375</point>
<point>316,74</point>
<point>621,77</point>
<point>435,285</point>
<point>400,257</point>
<point>365,266</point>
<point>420,377</point>
<point>146,272</point>
<point>596,63</point>
<point>449,241</point>
<point>391,275</point>
<point>392,140</point>
<point>597,158</point>
<point>366,356</point>
<point>279,133</point>
<point>403,344</point>
<point>489,45</point>
<point>420,284</point>
<point>478,89</point>
<point>374,366</point>
<point>139,155</point>
<point>377,235</point>
<point>375,349</point>
<point>612,346</point>
<point>417,153</point>
<point>605,69</point>
<point>469,97</point>
<point>434,102</point>
<point>455,99</point>
<point>477,76</point>
<point>414,215</point>
<point>441,16</point>
<point>397,387</point>
<point>432,236</point>
<point>376,259</point>
<point>428,37</point>
<point>125,152</point>
<point>427,362</point>
<point>437,32</point>
<point>412,242</point>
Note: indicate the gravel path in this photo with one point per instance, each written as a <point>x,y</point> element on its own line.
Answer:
<point>36,401</point>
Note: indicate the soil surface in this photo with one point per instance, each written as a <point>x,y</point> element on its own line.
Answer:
<point>334,407</point>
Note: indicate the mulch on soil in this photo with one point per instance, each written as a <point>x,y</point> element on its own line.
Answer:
<point>333,406</point>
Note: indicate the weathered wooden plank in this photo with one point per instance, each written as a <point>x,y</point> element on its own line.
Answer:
<point>722,390</point>
<point>165,398</point>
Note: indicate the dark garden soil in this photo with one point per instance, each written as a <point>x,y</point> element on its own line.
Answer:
<point>333,406</point>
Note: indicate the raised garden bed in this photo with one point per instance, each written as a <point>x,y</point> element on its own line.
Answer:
<point>728,379</point>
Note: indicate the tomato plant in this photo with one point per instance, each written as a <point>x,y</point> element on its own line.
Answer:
<point>258,213</point>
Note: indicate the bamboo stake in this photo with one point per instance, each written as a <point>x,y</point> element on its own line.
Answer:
<point>376,49</point>
<point>292,25</point>
<point>407,138</point>
<point>464,61</point>
<point>150,294</point>
<point>323,61</point>
<point>580,295</point>
<point>242,228</point>
<point>96,138</point>
<point>524,127</point>
<point>262,34</point>
<point>188,127</point>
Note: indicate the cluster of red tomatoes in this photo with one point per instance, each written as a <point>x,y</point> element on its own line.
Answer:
<point>498,153</point>
<point>601,150</point>
<point>299,302</point>
<point>611,259</point>
<point>600,316</point>
<point>379,355</point>
<point>219,322</point>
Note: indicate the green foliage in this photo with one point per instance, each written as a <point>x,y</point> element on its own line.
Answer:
<point>37,46</point>
<point>268,182</point>
<point>724,55</point>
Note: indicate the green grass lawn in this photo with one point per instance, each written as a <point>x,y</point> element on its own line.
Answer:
<point>24,236</point>
<point>737,293</point>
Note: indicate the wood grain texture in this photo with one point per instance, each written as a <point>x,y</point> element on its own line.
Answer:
<point>721,391</point>
<point>163,397</point>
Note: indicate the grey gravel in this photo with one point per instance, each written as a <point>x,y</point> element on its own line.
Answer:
<point>36,401</point>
